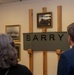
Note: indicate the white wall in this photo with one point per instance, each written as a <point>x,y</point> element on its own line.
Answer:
<point>17,13</point>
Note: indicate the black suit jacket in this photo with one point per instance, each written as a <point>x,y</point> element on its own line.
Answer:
<point>16,70</point>
<point>66,63</point>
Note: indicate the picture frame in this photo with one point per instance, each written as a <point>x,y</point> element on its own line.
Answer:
<point>44,19</point>
<point>13,31</point>
<point>18,48</point>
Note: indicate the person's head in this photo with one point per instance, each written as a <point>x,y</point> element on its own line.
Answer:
<point>70,30</point>
<point>8,52</point>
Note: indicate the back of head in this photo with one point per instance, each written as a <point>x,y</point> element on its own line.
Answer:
<point>8,53</point>
<point>70,30</point>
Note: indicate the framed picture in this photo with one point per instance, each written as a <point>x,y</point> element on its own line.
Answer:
<point>13,31</point>
<point>44,19</point>
<point>17,46</point>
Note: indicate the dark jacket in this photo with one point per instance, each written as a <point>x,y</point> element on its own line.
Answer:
<point>16,70</point>
<point>66,63</point>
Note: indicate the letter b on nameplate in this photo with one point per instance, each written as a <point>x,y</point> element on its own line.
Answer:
<point>46,41</point>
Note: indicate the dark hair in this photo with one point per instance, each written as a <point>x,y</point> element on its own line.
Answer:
<point>70,30</point>
<point>8,52</point>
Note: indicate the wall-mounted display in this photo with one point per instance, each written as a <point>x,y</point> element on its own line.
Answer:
<point>13,31</point>
<point>44,19</point>
<point>17,46</point>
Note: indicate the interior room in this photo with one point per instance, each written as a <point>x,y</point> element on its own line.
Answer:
<point>20,14</point>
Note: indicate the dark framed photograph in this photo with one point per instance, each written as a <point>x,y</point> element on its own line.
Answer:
<point>13,31</point>
<point>17,46</point>
<point>44,19</point>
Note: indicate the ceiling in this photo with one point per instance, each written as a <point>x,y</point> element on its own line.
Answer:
<point>7,1</point>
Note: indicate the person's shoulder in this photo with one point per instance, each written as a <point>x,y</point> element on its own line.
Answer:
<point>23,69</point>
<point>22,66</point>
<point>68,52</point>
